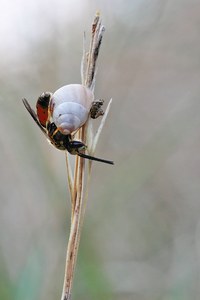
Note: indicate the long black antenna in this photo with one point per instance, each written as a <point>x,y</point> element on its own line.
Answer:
<point>110,162</point>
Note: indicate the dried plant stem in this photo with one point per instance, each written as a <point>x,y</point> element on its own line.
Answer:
<point>78,190</point>
<point>73,242</point>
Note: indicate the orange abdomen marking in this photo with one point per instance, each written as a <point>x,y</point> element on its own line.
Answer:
<point>42,113</point>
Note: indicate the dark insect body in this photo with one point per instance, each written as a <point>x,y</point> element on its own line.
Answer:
<point>60,114</point>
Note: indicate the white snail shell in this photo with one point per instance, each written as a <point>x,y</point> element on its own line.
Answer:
<point>70,106</point>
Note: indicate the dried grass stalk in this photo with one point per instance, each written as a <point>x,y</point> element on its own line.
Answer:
<point>78,184</point>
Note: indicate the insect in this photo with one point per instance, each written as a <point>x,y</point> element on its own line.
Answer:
<point>60,114</point>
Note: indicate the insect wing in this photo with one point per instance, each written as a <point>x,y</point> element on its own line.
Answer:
<point>33,115</point>
<point>57,139</point>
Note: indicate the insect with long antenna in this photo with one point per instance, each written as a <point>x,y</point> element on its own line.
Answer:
<point>61,114</point>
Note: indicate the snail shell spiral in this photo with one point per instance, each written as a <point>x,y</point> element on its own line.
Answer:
<point>70,106</point>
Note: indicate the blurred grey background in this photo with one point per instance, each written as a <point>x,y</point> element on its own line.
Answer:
<point>141,237</point>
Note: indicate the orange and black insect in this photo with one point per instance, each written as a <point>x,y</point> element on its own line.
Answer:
<point>50,108</point>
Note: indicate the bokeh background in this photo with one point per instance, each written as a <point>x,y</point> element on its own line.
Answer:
<point>141,237</point>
